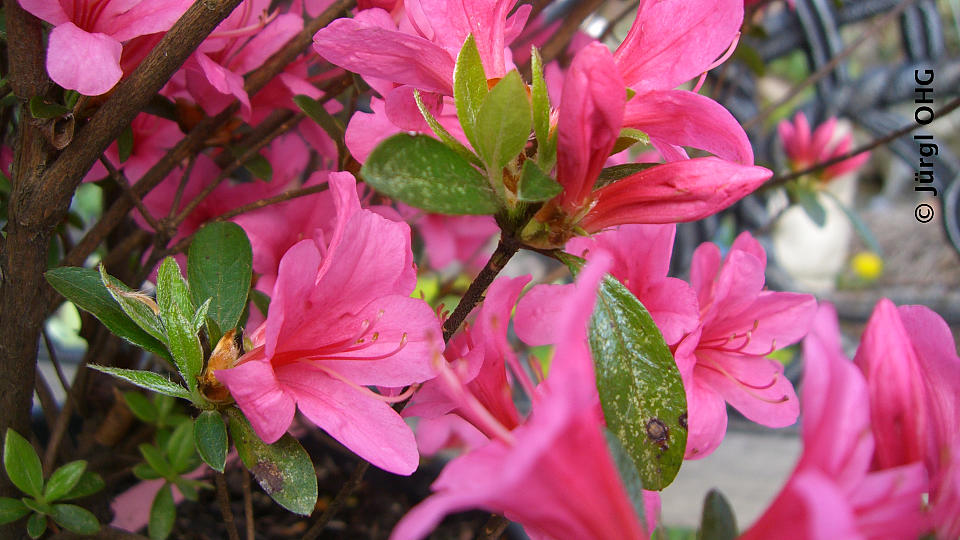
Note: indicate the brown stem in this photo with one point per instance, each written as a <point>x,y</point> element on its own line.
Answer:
<point>780,180</point>
<point>828,68</point>
<point>247,505</point>
<point>121,180</point>
<point>331,510</point>
<point>223,499</point>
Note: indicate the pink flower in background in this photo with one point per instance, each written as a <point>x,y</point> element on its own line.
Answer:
<point>152,137</point>
<point>909,359</point>
<point>341,319</point>
<point>828,141</point>
<point>832,493</point>
<point>536,474</point>
<point>86,43</point>
<point>724,359</point>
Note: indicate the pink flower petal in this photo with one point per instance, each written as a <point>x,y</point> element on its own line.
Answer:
<point>81,61</point>
<point>267,405</point>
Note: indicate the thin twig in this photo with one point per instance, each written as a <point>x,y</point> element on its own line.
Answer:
<point>352,483</point>
<point>828,68</point>
<point>780,180</point>
<point>608,29</point>
<point>47,402</point>
<point>223,499</point>
<point>181,187</point>
<point>121,180</point>
<point>558,42</point>
<point>247,504</point>
<point>52,353</point>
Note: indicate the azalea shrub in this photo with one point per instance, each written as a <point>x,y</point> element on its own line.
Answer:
<point>293,218</point>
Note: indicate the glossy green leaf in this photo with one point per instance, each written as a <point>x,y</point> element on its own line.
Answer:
<point>535,185</point>
<point>469,87</point>
<point>717,521</point>
<point>89,483</point>
<point>283,469</point>
<point>210,437</point>
<point>138,306</point>
<point>627,138</point>
<point>423,172</point>
<point>220,267</point>
<point>145,379</point>
<point>619,172</point>
<point>641,393</point>
<point>503,122</point>
<point>41,109</point>
<point>140,406</point>
<point>83,287</point>
<point>12,510</point>
<point>172,290</point>
<point>162,514</point>
<point>36,525</point>
<point>628,474</point>
<point>180,447</point>
<point>444,135</point>
<point>22,464</point>
<point>75,519</point>
<point>63,480</point>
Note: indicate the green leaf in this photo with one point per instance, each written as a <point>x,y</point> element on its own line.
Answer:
<point>423,172</point>
<point>806,196</point>
<point>628,474</point>
<point>627,138</point>
<point>89,483</point>
<point>184,346</point>
<point>37,506</point>
<point>187,488</point>
<point>283,469</point>
<point>619,172</point>
<point>22,464</point>
<point>469,87</point>
<point>144,471</point>
<point>63,480</point>
<point>36,525</point>
<point>535,185</point>
<point>862,228</point>
<point>141,407</point>
<point>443,134</point>
<point>330,124</point>
<point>259,167</point>
<point>125,144</point>
<point>146,379</point>
<point>220,267</point>
<point>718,521</point>
<point>503,122</point>
<point>751,57</point>
<point>180,447</point>
<point>162,514</point>
<point>41,109</point>
<point>75,519</point>
<point>261,301</point>
<point>641,393</point>
<point>83,287</point>
<point>70,98</point>
<point>210,437</point>
<point>138,306</point>
<point>155,459</point>
<point>12,510</point>
<point>172,290</point>
<point>540,101</point>
<point>201,315</point>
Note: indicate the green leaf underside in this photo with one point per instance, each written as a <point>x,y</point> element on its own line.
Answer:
<point>210,437</point>
<point>135,306</point>
<point>423,172</point>
<point>22,464</point>
<point>717,521</point>
<point>469,87</point>
<point>184,346</point>
<point>628,474</point>
<point>640,389</point>
<point>619,172</point>
<point>162,514</point>
<point>83,287</point>
<point>503,122</point>
<point>146,379</point>
<point>75,518</point>
<point>535,185</point>
<point>220,267</point>
<point>283,469</point>
<point>444,135</point>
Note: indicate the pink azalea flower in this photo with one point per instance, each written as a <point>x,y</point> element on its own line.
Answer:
<point>724,359</point>
<point>152,137</point>
<point>826,142</point>
<point>86,43</point>
<point>641,261</point>
<point>832,493</point>
<point>592,111</point>
<point>341,319</point>
<point>910,362</point>
<point>529,473</point>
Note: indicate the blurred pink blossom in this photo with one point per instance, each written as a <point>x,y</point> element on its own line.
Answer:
<point>805,149</point>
